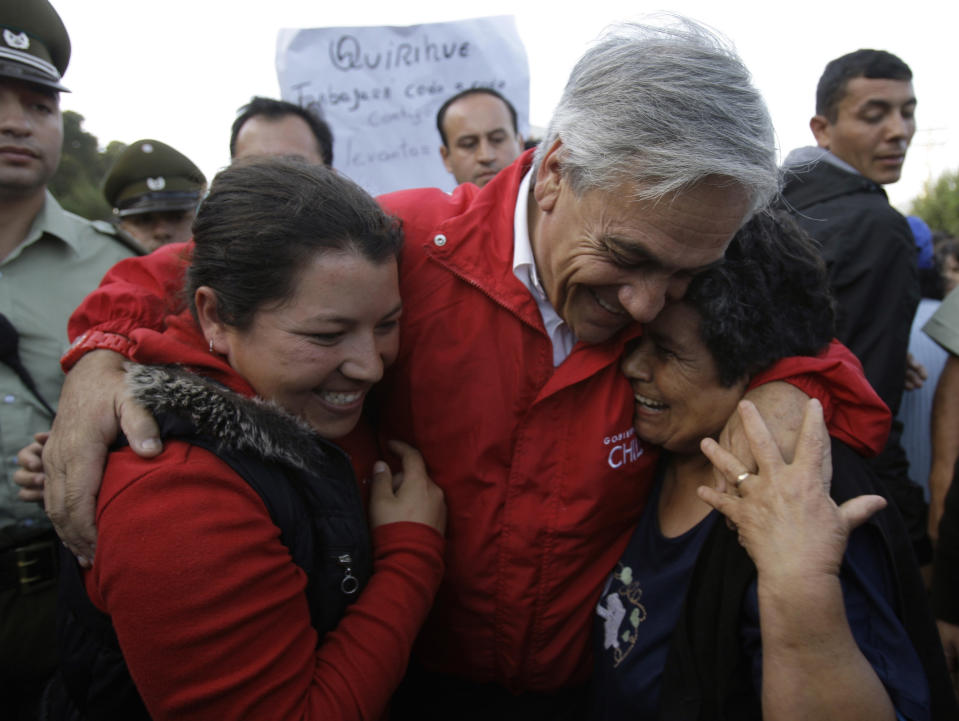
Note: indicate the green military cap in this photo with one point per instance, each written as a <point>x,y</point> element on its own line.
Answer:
<point>34,45</point>
<point>150,176</point>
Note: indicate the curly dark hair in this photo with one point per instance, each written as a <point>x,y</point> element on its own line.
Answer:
<point>265,218</point>
<point>769,298</point>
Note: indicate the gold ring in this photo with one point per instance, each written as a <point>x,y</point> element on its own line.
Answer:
<point>741,477</point>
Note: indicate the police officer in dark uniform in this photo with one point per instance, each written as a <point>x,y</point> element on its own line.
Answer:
<point>154,190</point>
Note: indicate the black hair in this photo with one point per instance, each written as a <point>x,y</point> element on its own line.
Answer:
<point>945,246</point>
<point>769,299</point>
<point>871,64</point>
<point>931,282</point>
<point>277,109</point>
<point>441,113</point>
<point>265,218</point>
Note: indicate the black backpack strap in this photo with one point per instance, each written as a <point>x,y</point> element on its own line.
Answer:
<point>10,356</point>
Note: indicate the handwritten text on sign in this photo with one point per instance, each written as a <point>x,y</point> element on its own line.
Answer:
<point>380,88</point>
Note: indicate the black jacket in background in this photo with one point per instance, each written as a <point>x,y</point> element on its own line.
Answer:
<point>870,256</point>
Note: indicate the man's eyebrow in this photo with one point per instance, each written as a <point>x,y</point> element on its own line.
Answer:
<point>628,252</point>
<point>632,254</point>
<point>882,104</point>
<point>875,104</point>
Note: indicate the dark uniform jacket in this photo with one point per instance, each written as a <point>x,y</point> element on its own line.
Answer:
<point>870,255</point>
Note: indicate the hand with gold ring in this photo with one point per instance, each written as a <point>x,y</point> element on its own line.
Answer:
<point>783,514</point>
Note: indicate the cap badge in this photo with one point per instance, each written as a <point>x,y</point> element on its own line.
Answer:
<point>19,41</point>
<point>147,148</point>
<point>156,183</point>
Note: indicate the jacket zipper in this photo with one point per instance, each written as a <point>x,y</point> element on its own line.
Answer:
<point>349,584</point>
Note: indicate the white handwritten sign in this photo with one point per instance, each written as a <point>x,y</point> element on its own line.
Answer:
<point>379,89</point>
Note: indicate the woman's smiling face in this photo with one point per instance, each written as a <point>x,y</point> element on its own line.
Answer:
<point>678,399</point>
<point>319,352</point>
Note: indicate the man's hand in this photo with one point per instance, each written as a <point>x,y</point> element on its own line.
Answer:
<point>781,405</point>
<point>94,405</point>
<point>29,474</point>
<point>786,520</point>
<point>915,373</point>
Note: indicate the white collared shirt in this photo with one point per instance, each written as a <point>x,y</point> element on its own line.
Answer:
<point>524,267</point>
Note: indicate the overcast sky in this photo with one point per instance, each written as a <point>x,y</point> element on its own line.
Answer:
<point>177,70</point>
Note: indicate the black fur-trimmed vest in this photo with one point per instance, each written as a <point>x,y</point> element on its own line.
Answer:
<point>306,483</point>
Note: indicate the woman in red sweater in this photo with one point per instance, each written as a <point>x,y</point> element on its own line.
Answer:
<point>235,571</point>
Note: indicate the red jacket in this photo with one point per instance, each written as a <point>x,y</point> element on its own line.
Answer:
<point>543,476</point>
<point>210,610</point>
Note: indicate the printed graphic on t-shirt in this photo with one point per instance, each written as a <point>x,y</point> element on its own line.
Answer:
<point>622,613</point>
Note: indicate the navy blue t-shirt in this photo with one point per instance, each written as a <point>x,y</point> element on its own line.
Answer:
<point>637,612</point>
<point>641,603</point>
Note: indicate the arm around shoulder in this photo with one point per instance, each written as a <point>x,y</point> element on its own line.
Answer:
<point>94,405</point>
<point>854,413</point>
<point>135,293</point>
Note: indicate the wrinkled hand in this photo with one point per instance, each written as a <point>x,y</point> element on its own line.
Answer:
<point>916,373</point>
<point>781,404</point>
<point>29,474</point>
<point>786,520</point>
<point>406,496</point>
<point>94,405</point>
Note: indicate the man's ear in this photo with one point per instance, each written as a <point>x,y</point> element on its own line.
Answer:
<point>445,155</point>
<point>549,177</point>
<point>208,317</point>
<point>821,130</point>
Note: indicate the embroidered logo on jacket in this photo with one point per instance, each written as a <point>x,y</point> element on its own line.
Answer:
<point>623,448</point>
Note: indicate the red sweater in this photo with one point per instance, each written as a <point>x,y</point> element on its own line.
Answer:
<point>210,609</point>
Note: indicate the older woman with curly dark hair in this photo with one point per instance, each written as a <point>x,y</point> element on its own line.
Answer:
<point>798,607</point>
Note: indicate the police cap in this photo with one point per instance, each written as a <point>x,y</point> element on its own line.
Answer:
<point>151,176</point>
<point>34,45</point>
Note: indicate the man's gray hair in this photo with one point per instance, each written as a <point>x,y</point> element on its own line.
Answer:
<point>662,108</point>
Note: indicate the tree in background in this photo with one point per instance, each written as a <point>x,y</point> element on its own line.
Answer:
<point>78,181</point>
<point>939,203</point>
